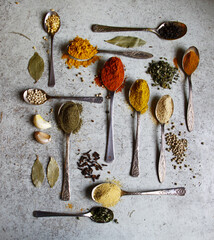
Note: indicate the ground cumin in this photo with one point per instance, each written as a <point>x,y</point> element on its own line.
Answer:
<point>107,194</point>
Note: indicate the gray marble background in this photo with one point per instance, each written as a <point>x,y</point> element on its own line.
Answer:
<point>140,217</point>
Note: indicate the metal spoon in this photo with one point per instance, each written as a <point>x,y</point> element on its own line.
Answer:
<point>190,111</point>
<point>131,54</point>
<point>110,143</point>
<point>48,97</point>
<point>162,160</point>
<point>180,191</point>
<point>170,30</point>
<point>51,81</point>
<point>90,214</point>
<point>65,195</point>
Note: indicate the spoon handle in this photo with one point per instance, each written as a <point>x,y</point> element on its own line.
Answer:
<point>135,162</point>
<point>86,99</point>
<point>190,112</point>
<point>162,161</point>
<point>56,214</point>
<point>110,144</point>
<point>51,81</point>
<point>103,28</point>
<point>180,191</point>
<point>131,54</point>
<point>65,195</point>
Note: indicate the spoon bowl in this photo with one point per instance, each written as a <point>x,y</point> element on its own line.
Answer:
<point>51,82</point>
<point>169,30</point>
<point>96,214</point>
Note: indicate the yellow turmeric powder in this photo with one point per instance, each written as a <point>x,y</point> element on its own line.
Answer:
<point>81,49</point>
<point>139,95</point>
<point>107,194</point>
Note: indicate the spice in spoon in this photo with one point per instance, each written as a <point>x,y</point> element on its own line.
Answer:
<point>53,24</point>
<point>190,62</point>
<point>164,109</point>
<point>107,194</point>
<point>139,95</point>
<point>81,49</point>
<point>69,117</point>
<point>112,74</point>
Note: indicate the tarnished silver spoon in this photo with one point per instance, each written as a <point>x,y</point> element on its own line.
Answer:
<point>169,30</point>
<point>131,54</point>
<point>190,111</point>
<point>51,81</point>
<point>31,98</point>
<point>179,191</point>
<point>96,214</point>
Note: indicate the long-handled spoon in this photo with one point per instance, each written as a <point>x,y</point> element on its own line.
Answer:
<point>163,111</point>
<point>180,191</point>
<point>96,214</point>
<point>170,30</point>
<point>46,97</point>
<point>131,54</point>
<point>51,81</point>
<point>190,111</point>
<point>65,195</point>
<point>110,143</point>
<point>134,94</point>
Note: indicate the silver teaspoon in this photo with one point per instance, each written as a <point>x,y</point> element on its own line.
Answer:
<point>190,111</point>
<point>169,30</point>
<point>29,96</point>
<point>163,111</point>
<point>96,214</point>
<point>180,191</point>
<point>51,81</point>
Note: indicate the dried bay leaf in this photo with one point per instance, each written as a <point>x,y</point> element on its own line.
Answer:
<point>37,174</point>
<point>126,41</point>
<point>36,66</point>
<point>52,172</point>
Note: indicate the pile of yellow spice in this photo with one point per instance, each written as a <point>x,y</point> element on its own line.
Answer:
<point>107,194</point>
<point>81,49</point>
<point>53,24</point>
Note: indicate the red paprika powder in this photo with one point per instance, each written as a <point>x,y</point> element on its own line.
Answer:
<point>112,74</point>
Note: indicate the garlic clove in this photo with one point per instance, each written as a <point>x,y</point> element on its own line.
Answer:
<point>42,137</point>
<point>40,123</point>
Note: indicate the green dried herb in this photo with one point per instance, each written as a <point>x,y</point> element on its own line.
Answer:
<point>162,74</point>
<point>69,117</point>
<point>37,173</point>
<point>52,172</point>
<point>126,41</point>
<point>36,66</point>
<point>101,214</point>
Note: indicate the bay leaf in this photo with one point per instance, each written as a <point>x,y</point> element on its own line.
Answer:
<point>36,66</point>
<point>126,41</point>
<point>37,174</point>
<point>52,172</point>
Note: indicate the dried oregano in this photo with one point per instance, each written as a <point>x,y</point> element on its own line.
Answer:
<point>36,66</point>
<point>37,173</point>
<point>162,73</point>
<point>52,172</point>
<point>126,41</point>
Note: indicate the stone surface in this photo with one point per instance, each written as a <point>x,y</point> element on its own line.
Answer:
<point>148,217</point>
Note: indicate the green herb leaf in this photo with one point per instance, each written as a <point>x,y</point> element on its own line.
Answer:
<point>36,66</point>
<point>126,41</point>
<point>52,172</point>
<point>37,173</point>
